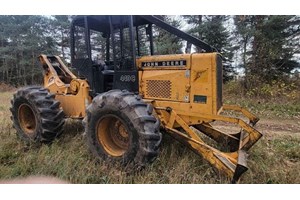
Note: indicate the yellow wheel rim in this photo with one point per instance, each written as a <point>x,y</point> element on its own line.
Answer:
<point>27,119</point>
<point>112,134</point>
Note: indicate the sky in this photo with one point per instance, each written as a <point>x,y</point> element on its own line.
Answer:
<point>157,7</point>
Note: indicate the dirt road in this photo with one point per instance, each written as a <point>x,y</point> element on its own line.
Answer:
<point>269,127</point>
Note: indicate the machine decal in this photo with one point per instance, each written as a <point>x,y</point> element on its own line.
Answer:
<point>181,63</point>
<point>127,78</point>
<point>51,80</point>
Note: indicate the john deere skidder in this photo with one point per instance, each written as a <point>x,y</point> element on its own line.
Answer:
<point>126,93</point>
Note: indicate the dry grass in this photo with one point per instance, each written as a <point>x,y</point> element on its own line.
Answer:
<point>277,101</point>
<point>272,160</point>
<point>6,88</point>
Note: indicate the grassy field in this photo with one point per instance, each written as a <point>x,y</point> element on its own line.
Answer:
<point>274,159</point>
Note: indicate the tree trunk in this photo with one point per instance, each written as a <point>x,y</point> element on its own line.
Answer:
<point>199,33</point>
<point>33,68</point>
<point>62,44</point>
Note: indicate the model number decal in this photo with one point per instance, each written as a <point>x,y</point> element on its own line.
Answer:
<point>51,80</point>
<point>180,63</point>
<point>127,78</point>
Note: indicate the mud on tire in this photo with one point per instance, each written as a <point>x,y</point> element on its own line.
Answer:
<point>119,127</point>
<point>36,115</point>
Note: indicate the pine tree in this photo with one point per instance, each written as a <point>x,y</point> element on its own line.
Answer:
<point>212,30</point>
<point>269,46</point>
<point>23,38</point>
<point>195,27</point>
<point>61,33</point>
<point>165,42</point>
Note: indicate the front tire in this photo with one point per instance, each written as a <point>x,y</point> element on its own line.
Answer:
<point>36,115</point>
<point>120,128</point>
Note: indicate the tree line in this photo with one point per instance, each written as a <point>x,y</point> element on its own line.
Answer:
<point>265,48</point>
<point>23,39</point>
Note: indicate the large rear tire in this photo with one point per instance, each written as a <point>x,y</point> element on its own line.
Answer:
<point>120,128</point>
<point>36,115</point>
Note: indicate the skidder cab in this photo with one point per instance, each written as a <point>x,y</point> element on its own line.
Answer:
<point>126,96</point>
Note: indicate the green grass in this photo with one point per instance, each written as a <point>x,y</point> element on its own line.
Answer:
<point>275,161</point>
<point>273,103</point>
<point>267,108</point>
<point>271,160</point>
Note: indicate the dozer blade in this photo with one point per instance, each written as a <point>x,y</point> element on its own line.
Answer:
<point>241,166</point>
<point>232,163</point>
<point>231,141</point>
<point>238,143</point>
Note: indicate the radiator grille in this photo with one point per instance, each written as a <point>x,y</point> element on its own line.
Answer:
<point>158,88</point>
<point>219,82</point>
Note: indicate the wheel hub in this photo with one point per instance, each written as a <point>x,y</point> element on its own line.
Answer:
<point>113,135</point>
<point>27,119</point>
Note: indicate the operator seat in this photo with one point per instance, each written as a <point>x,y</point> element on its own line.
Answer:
<point>106,75</point>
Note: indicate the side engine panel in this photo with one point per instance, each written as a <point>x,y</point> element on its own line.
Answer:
<point>165,77</point>
<point>168,85</point>
<point>194,81</point>
<point>206,82</point>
